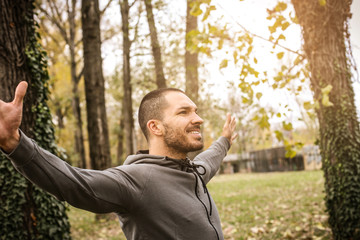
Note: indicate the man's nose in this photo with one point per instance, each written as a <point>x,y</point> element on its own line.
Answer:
<point>197,119</point>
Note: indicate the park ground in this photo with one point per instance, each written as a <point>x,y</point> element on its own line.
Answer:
<point>252,206</point>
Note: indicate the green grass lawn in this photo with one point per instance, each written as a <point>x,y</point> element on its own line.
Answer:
<point>285,205</point>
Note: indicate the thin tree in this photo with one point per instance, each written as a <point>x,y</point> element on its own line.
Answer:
<point>155,46</point>
<point>69,36</point>
<point>128,121</point>
<point>191,62</point>
<point>94,86</point>
<point>26,212</point>
<point>326,44</point>
<point>191,58</point>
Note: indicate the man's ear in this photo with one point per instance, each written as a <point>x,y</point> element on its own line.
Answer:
<point>155,127</point>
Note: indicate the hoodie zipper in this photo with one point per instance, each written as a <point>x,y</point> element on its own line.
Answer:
<point>207,212</point>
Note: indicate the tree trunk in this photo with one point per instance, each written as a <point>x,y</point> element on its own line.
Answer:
<point>191,59</point>
<point>120,146</point>
<point>94,86</point>
<point>325,33</point>
<point>160,79</point>
<point>127,100</point>
<point>26,212</point>
<point>78,132</point>
<point>191,66</point>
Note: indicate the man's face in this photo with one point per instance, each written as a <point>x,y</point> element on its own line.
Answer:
<point>182,124</point>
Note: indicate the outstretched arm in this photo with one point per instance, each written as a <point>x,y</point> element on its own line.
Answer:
<point>10,119</point>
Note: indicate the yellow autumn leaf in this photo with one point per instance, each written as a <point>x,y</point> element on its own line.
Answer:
<point>280,55</point>
<point>258,95</point>
<point>223,64</point>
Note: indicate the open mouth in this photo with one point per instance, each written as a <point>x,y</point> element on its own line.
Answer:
<point>196,132</point>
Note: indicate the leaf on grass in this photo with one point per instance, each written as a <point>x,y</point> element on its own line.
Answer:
<point>322,2</point>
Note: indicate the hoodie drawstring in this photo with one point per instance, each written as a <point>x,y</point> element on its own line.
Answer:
<point>194,167</point>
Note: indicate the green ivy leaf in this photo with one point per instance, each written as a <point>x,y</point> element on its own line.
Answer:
<point>325,96</point>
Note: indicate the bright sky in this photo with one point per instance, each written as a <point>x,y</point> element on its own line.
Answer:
<point>252,15</point>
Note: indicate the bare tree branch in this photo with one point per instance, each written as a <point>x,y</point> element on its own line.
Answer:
<point>132,4</point>
<point>46,30</point>
<point>260,37</point>
<point>54,6</point>
<point>56,23</point>
<point>78,77</point>
<point>78,42</point>
<point>106,7</point>
<point>136,27</point>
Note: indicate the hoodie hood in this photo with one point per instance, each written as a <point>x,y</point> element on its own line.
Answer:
<point>143,157</point>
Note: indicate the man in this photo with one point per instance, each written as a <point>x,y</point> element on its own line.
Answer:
<point>159,194</point>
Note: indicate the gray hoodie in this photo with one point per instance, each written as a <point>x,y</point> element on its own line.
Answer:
<point>155,197</point>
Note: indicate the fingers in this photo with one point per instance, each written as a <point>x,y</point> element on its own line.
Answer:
<point>234,137</point>
<point>20,93</point>
<point>230,121</point>
<point>229,128</point>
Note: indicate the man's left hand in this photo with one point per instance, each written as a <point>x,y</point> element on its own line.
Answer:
<point>229,128</point>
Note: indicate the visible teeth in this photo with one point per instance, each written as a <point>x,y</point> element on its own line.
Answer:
<point>194,132</point>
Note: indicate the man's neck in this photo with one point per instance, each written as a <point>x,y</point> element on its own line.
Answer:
<point>160,149</point>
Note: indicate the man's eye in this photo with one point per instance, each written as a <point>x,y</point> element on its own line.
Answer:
<point>182,112</point>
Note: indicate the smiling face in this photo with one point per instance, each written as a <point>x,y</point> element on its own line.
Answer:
<point>181,124</point>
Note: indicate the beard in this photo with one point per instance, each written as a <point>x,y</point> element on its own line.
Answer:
<point>180,141</point>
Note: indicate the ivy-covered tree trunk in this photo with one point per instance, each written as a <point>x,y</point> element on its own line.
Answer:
<point>326,44</point>
<point>155,46</point>
<point>26,212</point>
<point>99,145</point>
<point>127,100</point>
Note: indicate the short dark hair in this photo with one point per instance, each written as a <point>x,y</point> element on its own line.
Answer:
<point>152,106</point>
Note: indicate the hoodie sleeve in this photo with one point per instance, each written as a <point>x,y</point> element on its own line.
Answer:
<point>212,157</point>
<point>110,190</point>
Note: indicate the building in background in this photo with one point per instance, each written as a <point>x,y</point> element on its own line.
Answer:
<point>272,160</point>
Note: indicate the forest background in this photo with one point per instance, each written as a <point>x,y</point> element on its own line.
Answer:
<point>218,75</point>
<point>285,86</point>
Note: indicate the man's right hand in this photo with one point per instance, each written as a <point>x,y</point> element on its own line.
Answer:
<point>10,119</point>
